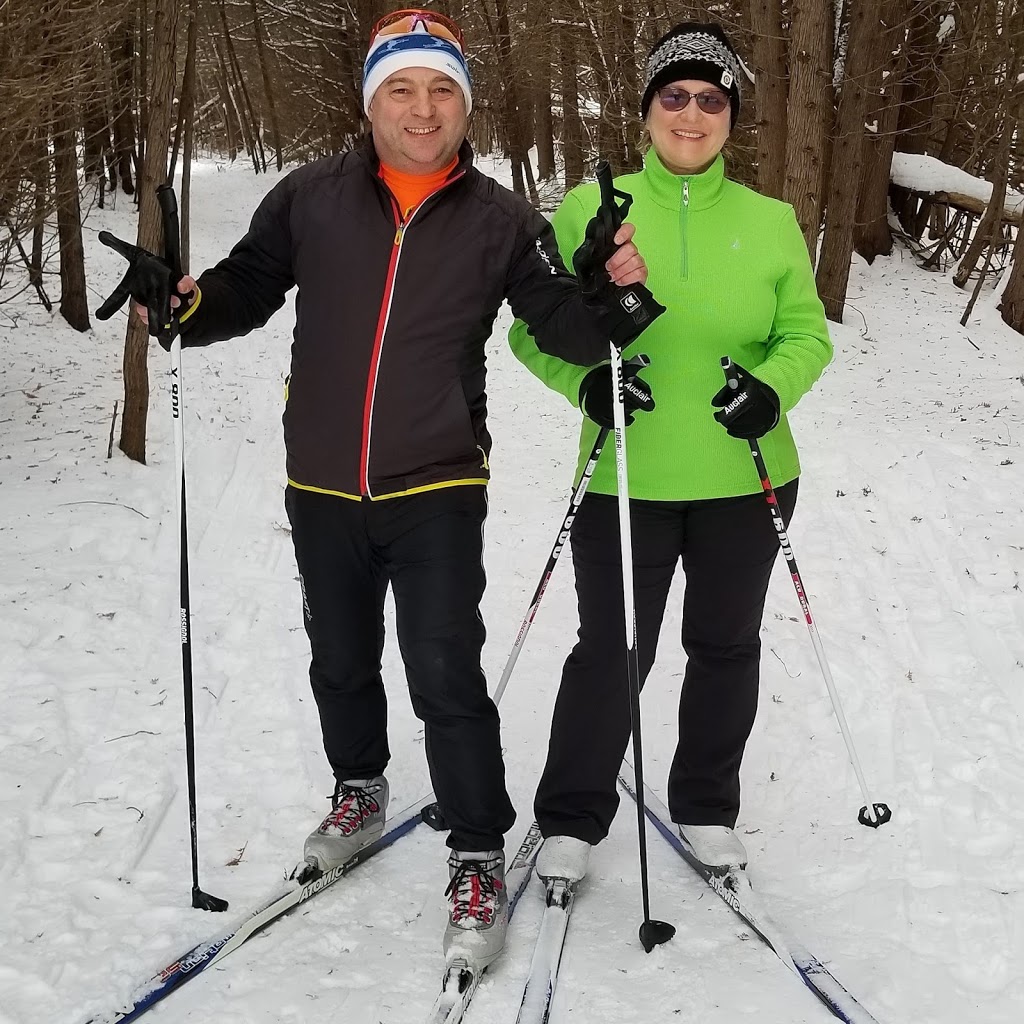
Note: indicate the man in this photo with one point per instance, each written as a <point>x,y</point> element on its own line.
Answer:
<point>403,253</point>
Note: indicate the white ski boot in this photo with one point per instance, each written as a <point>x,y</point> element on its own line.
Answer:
<point>478,911</point>
<point>717,847</point>
<point>563,857</point>
<point>355,821</point>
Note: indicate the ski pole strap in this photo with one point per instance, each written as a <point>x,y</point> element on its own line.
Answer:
<point>172,253</point>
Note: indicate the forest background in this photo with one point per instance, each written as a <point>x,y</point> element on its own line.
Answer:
<point>858,112</point>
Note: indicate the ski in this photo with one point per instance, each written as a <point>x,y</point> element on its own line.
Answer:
<point>304,883</point>
<point>735,890</point>
<point>560,894</point>
<point>460,979</point>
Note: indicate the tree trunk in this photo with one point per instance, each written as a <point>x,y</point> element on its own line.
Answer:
<point>627,72</point>
<point>249,122</point>
<point>872,236</point>
<point>809,112</point>
<point>96,138</point>
<point>770,95</point>
<point>539,41</point>
<point>572,126</point>
<point>187,100</point>
<point>915,121</point>
<point>142,79</point>
<point>74,304</point>
<point>513,122</point>
<point>122,48</point>
<point>543,124</point>
<point>227,104</point>
<point>154,172</point>
<point>40,193</point>
<point>993,218</point>
<point>268,90</point>
<point>837,243</point>
<point>1011,305</point>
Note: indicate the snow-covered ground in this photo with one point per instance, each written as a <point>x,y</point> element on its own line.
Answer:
<point>909,538</point>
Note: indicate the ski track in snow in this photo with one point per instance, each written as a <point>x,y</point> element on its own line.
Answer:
<point>907,535</point>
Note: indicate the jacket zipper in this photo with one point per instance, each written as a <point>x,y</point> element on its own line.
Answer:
<point>683,218</point>
<point>401,226</point>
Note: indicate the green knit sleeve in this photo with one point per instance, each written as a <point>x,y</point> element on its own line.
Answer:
<point>799,347</point>
<point>570,224</point>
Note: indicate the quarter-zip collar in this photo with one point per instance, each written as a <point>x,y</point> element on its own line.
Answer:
<point>666,189</point>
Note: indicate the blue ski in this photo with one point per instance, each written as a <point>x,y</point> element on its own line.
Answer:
<point>734,888</point>
<point>304,883</point>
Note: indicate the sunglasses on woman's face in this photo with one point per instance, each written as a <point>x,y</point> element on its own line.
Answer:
<point>673,99</point>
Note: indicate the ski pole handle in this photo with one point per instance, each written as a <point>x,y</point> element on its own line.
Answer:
<point>172,231</point>
<point>610,196</point>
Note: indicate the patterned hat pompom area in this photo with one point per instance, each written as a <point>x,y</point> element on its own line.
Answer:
<point>694,50</point>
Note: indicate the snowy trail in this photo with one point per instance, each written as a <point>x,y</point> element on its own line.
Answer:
<point>908,537</point>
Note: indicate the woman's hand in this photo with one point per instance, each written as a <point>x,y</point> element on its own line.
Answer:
<point>626,266</point>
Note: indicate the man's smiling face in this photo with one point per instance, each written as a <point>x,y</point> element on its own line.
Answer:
<point>419,121</point>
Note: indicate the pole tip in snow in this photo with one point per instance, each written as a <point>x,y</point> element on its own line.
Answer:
<point>204,901</point>
<point>654,933</point>
<point>882,815</point>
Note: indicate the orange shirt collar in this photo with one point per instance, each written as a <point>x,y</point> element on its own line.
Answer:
<point>411,189</point>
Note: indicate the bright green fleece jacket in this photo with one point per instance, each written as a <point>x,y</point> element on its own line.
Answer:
<point>732,269</point>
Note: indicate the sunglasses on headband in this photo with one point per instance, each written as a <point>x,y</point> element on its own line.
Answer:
<point>400,22</point>
<point>673,99</point>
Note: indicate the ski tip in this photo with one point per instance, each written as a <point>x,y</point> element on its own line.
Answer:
<point>654,933</point>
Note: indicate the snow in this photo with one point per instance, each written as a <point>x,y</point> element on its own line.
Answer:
<point>928,175</point>
<point>947,25</point>
<point>908,538</point>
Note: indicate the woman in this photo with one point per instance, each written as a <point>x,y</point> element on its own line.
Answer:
<point>732,267</point>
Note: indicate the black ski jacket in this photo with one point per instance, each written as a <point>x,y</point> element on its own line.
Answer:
<point>386,391</point>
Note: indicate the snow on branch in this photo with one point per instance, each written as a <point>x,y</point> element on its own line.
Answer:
<point>929,176</point>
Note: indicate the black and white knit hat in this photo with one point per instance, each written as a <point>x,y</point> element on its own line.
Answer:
<point>698,51</point>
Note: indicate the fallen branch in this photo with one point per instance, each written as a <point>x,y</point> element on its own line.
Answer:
<point>110,443</point>
<point>117,503</point>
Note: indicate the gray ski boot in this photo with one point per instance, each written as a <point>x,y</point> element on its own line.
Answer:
<point>356,820</point>
<point>478,912</point>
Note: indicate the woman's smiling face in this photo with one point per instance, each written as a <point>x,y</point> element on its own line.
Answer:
<point>687,141</point>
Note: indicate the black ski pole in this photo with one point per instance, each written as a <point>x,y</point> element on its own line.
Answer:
<point>549,568</point>
<point>880,812</point>
<point>172,253</point>
<point>652,933</point>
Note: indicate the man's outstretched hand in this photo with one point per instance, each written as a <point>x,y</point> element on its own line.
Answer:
<point>149,282</point>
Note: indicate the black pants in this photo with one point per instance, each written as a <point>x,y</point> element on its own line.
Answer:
<point>429,547</point>
<point>727,547</point>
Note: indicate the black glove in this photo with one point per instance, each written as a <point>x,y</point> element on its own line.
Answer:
<point>747,407</point>
<point>624,310</point>
<point>596,395</point>
<point>149,281</point>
